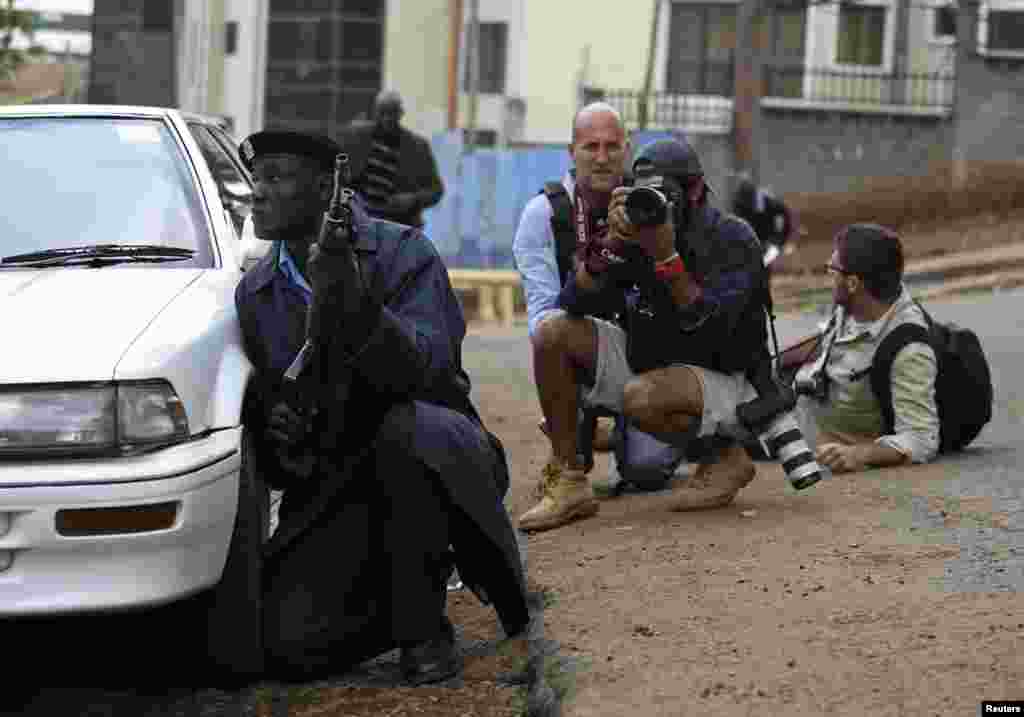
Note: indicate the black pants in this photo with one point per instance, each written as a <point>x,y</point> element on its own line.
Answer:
<point>369,576</point>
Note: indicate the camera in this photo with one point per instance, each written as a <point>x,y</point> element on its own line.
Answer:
<point>646,207</point>
<point>770,417</point>
<point>811,384</point>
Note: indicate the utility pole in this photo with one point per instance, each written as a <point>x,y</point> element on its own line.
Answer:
<point>652,48</point>
<point>747,92</point>
<point>473,58</point>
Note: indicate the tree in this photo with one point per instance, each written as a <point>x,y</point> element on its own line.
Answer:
<point>14,21</point>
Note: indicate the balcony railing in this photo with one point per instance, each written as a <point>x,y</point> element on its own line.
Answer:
<point>841,89</point>
<point>911,90</point>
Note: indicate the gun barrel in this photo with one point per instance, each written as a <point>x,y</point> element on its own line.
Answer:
<point>341,178</point>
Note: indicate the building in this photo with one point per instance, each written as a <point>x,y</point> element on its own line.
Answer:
<point>63,31</point>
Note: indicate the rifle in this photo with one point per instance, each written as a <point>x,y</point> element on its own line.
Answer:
<point>314,379</point>
<point>308,366</point>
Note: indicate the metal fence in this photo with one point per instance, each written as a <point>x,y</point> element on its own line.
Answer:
<point>693,112</point>
<point>696,114</point>
<point>911,90</point>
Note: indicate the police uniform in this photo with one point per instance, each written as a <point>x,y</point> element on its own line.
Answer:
<point>355,572</point>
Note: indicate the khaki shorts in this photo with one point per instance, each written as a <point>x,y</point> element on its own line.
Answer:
<point>722,392</point>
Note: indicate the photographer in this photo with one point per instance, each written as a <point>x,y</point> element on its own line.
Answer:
<point>688,280</point>
<point>392,464</point>
<point>543,246</point>
<point>834,376</point>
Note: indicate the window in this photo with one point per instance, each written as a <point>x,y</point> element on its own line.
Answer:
<point>157,16</point>
<point>944,22</point>
<point>493,54</point>
<point>230,37</point>
<point>235,193</point>
<point>1005,30</point>
<point>861,35</point>
<point>702,40</point>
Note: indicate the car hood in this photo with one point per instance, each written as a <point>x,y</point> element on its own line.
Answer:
<point>63,324</point>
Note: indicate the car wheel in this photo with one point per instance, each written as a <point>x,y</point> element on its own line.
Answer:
<point>232,611</point>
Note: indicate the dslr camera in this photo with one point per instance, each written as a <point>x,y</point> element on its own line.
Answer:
<point>646,207</point>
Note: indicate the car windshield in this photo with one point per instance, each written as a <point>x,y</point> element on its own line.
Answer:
<point>79,181</point>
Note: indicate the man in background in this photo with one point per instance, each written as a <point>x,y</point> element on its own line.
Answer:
<point>392,168</point>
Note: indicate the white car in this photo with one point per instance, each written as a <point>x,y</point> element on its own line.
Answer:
<point>126,477</point>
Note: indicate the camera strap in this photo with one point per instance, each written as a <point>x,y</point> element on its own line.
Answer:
<point>582,216</point>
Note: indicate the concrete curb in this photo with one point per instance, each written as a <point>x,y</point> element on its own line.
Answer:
<point>1000,267</point>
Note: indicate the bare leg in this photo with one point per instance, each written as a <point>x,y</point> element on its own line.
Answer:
<point>665,401</point>
<point>564,352</point>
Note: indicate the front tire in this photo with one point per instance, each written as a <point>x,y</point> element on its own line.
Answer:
<point>232,611</point>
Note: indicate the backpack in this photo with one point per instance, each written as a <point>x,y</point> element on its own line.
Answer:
<point>562,226</point>
<point>963,386</point>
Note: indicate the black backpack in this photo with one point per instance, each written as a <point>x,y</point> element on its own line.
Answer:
<point>562,226</point>
<point>963,386</point>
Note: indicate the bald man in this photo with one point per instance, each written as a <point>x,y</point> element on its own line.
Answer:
<point>392,168</point>
<point>600,154</point>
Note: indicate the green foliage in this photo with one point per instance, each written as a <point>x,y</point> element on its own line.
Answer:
<point>14,20</point>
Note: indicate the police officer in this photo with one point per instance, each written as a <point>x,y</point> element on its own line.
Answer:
<point>687,283</point>
<point>388,472</point>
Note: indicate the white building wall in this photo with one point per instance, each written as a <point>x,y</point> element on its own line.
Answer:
<point>245,72</point>
<point>416,48</point>
<point>194,41</point>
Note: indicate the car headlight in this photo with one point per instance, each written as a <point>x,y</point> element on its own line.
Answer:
<point>89,417</point>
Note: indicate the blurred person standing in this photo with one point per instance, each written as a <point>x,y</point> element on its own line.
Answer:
<point>392,168</point>
<point>550,227</point>
<point>775,222</point>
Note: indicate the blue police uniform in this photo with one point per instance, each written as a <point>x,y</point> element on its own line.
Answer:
<point>352,576</point>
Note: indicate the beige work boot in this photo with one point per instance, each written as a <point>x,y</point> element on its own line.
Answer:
<point>714,485</point>
<point>565,495</point>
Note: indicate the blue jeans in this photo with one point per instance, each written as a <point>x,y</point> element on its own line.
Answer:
<point>642,459</point>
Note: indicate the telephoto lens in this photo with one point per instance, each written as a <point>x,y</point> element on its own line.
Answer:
<point>784,440</point>
<point>646,207</point>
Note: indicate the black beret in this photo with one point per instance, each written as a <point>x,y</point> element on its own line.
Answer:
<point>317,147</point>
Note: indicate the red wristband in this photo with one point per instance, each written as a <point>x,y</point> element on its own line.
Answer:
<point>672,267</point>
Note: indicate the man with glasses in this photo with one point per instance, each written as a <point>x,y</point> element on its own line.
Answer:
<point>838,402</point>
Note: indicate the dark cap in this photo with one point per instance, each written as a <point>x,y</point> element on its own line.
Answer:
<point>668,157</point>
<point>317,147</point>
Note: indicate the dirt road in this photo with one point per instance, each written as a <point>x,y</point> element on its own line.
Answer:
<point>891,592</point>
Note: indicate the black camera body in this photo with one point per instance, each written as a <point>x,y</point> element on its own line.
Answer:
<point>646,207</point>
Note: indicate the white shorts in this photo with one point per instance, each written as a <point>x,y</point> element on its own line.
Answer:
<point>722,392</point>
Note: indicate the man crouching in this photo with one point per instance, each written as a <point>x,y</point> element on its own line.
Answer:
<point>687,280</point>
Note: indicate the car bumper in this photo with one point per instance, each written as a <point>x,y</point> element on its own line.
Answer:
<point>51,571</point>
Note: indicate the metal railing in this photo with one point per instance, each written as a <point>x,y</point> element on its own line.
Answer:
<point>910,91</point>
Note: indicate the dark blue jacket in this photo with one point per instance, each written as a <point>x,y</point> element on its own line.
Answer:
<point>414,352</point>
<point>413,359</point>
<point>723,330</point>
